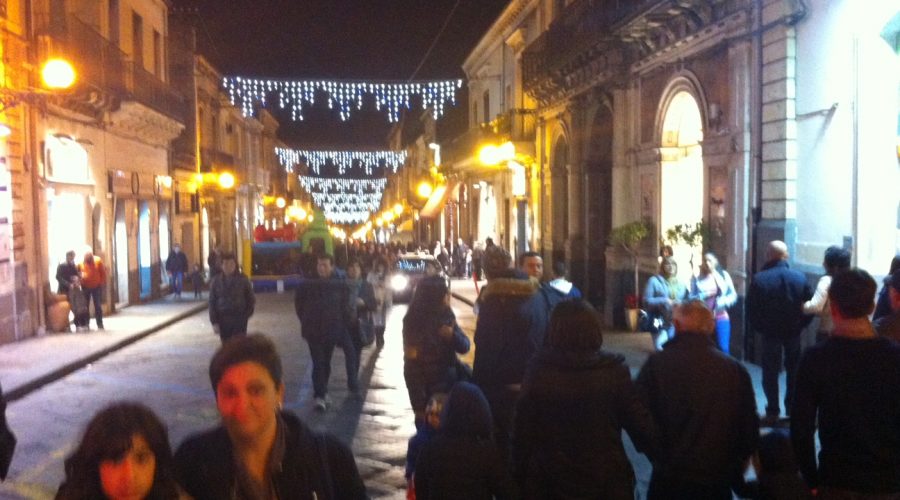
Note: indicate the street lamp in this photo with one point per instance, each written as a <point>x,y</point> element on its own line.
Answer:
<point>424,189</point>
<point>505,154</point>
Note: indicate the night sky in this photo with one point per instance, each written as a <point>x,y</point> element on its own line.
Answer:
<point>340,39</point>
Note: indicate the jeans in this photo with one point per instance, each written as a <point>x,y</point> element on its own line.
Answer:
<point>177,282</point>
<point>320,350</point>
<point>723,334</point>
<point>231,326</point>
<point>94,293</point>
<point>771,366</point>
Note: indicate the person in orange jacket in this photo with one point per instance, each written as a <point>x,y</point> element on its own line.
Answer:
<point>93,277</point>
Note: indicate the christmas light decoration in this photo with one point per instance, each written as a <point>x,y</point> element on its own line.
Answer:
<point>347,96</point>
<point>344,201</point>
<point>345,161</point>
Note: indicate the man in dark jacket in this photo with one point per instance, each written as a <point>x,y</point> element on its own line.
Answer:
<point>849,384</point>
<point>512,321</point>
<point>323,307</point>
<point>176,266</point>
<point>775,310</point>
<point>231,300</point>
<point>703,402</point>
<point>889,325</point>
<point>64,273</point>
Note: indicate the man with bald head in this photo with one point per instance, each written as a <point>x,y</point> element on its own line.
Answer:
<point>703,402</point>
<point>775,310</point>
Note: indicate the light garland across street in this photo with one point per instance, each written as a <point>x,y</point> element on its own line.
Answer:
<point>345,161</point>
<point>344,201</point>
<point>347,96</point>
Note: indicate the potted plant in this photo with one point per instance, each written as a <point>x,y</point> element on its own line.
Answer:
<point>629,237</point>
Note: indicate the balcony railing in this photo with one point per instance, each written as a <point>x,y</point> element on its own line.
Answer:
<point>515,125</point>
<point>211,157</point>
<point>102,66</point>
<point>584,24</point>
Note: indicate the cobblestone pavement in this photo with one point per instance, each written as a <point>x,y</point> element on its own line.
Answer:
<point>166,369</point>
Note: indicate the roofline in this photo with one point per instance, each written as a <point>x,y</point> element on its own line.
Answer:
<point>510,14</point>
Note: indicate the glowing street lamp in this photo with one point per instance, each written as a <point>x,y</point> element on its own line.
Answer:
<point>424,189</point>
<point>58,74</point>
<point>398,209</point>
<point>226,180</point>
<point>279,202</point>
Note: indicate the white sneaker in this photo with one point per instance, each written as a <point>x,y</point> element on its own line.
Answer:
<point>321,404</point>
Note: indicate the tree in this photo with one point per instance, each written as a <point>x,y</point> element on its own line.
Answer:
<point>629,237</point>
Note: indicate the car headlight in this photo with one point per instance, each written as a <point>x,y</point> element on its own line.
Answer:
<point>399,282</point>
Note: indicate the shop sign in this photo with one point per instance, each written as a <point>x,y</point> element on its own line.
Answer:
<point>163,187</point>
<point>122,183</point>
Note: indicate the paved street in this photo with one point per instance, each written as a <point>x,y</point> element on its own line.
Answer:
<point>167,370</point>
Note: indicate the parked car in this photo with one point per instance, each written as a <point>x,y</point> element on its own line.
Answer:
<point>411,268</point>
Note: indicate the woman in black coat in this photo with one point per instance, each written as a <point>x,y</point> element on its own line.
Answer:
<point>575,401</point>
<point>431,340</point>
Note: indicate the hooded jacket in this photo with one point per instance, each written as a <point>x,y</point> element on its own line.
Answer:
<point>512,322</point>
<point>462,461</point>
<point>567,435</point>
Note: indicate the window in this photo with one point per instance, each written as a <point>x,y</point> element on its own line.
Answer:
<point>487,106</point>
<point>137,40</point>
<point>475,112</point>
<point>157,55</point>
<point>114,22</point>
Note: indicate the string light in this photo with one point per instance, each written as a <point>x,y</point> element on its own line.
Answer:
<point>346,96</point>
<point>345,201</point>
<point>345,161</point>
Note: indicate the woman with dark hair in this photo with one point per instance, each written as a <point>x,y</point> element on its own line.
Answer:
<point>576,400</point>
<point>124,454</point>
<point>836,260</point>
<point>431,340</point>
<point>260,451</point>
<point>883,303</point>
<point>462,461</point>
<point>714,287</point>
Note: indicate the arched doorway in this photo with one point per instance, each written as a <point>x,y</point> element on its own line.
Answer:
<point>598,202</point>
<point>144,252</point>
<point>682,174</point>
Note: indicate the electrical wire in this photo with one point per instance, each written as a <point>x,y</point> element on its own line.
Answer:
<point>436,38</point>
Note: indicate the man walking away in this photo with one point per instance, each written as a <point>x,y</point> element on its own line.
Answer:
<point>703,402</point>
<point>323,308</point>
<point>177,266</point>
<point>231,300</point>
<point>850,385</point>
<point>775,310</point>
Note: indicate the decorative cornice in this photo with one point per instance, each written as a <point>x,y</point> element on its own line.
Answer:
<point>137,121</point>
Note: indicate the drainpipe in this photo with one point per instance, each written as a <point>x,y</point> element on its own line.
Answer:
<point>32,167</point>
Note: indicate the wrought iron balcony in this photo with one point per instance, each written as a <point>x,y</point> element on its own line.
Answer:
<point>105,76</point>
<point>211,158</point>
<point>515,125</point>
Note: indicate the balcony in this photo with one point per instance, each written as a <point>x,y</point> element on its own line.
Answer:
<point>211,159</point>
<point>106,77</point>
<point>515,125</point>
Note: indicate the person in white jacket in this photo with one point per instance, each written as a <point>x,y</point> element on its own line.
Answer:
<point>836,260</point>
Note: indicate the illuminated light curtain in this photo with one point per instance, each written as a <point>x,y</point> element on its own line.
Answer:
<point>345,161</point>
<point>345,201</point>
<point>346,96</point>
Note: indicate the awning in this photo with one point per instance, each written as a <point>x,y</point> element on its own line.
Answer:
<point>436,201</point>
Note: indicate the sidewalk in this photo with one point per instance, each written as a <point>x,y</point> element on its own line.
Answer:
<point>635,346</point>
<point>31,363</point>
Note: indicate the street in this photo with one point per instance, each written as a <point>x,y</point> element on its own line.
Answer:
<point>168,372</point>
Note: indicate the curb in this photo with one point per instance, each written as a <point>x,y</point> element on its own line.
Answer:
<point>29,387</point>
<point>462,299</point>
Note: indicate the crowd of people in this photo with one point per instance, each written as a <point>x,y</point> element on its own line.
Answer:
<point>541,411</point>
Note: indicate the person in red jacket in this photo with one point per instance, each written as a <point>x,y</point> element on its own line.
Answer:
<point>93,277</point>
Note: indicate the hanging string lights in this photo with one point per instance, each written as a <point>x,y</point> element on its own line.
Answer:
<point>346,96</point>
<point>345,161</point>
<point>344,201</point>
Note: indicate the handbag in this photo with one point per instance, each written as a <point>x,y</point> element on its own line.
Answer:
<point>649,322</point>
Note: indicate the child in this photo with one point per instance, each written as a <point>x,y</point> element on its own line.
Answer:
<point>425,430</point>
<point>778,476</point>
<point>196,278</point>
<point>79,304</point>
<point>462,461</point>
